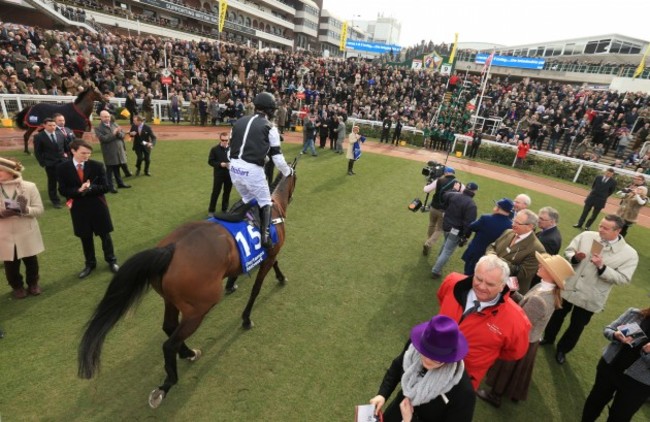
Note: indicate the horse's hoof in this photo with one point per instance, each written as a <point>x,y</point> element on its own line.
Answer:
<point>231,290</point>
<point>247,325</point>
<point>282,281</point>
<point>156,397</point>
<point>197,355</point>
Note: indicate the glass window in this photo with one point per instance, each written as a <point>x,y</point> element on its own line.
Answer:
<point>616,47</point>
<point>603,45</point>
<point>591,47</point>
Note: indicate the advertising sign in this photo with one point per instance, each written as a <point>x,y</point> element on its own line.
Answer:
<point>512,61</point>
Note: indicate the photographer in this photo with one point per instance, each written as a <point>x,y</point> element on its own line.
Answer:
<point>441,185</point>
<point>460,211</point>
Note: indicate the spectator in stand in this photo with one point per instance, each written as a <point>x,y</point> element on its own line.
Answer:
<point>623,141</point>
<point>20,236</point>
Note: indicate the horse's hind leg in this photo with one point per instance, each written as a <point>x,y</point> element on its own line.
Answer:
<point>231,286</point>
<point>26,139</point>
<point>170,324</point>
<point>278,274</point>
<point>171,347</point>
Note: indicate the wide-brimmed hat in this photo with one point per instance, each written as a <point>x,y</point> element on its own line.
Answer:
<point>439,339</point>
<point>558,267</point>
<point>505,204</point>
<point>11,166</point>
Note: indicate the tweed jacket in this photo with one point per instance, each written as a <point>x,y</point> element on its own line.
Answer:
<point>113,149</point>
<point>538,306</point>
<point>640,369</point>
<point>520,257</point>
<point>588,289</point>
<point>21,232</point>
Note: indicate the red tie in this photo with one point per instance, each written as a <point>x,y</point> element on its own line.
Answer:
<point>80,172</point>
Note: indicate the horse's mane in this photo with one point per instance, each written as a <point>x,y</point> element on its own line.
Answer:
<point>83,94</point>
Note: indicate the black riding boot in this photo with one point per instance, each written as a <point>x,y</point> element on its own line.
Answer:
<point>265,227</point>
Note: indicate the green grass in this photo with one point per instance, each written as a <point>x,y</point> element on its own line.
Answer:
<point>356,284</point>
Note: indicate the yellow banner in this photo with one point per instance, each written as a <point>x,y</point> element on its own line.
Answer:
<point>639,70</point>
<point>223,6</point>
<point>452,56</point>
<point>344,36</point>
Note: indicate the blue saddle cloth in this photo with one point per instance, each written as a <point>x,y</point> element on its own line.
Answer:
<point>249,241</point>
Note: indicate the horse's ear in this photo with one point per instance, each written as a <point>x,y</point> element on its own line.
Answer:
<point>295,163</point>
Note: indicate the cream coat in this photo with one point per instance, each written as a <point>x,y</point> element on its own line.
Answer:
<point>21,232</point>
<point>586,288</point>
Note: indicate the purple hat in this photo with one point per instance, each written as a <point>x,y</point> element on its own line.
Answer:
<point>439,340</point>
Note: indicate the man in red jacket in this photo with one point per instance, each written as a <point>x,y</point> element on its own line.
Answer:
<point>494,325</point>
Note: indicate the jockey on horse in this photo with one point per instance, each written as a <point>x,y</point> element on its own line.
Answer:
<point>253,138</point>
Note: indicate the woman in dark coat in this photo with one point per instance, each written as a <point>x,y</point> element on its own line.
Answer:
<point>435,385</point>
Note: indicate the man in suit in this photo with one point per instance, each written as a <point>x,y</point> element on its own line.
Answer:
<point>218,159</point>
<point>549,235</point>
<point>517,248</point>
<point>398,131</point>
<point>111,138</point>
<point>63,133</point>
<point>488,228</point>
<point>143,142</point>
<point>602,187</point>
<point>49,151</point>
<point>385,129</point>
<point>596,272</point>
<point>83,182</point>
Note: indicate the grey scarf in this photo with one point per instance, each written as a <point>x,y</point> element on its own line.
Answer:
<point>436,382</point>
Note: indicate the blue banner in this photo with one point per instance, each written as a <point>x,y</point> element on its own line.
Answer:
<point>371,47</point>
<point>512,61</point>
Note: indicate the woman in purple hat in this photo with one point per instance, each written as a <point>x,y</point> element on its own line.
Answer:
<point>435,386</point>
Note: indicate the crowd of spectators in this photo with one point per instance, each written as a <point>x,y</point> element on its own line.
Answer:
<point>553,115</point>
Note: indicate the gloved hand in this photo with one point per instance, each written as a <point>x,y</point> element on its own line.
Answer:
<point>22,202</point>
<point>8,213</point>
<point>462,241</point>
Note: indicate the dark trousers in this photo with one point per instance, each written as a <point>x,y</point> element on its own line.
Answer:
<point>88,244</point>
<point>143,155</point>
<point>332,137</point>
<point>579,320</point>
<point>219,182</point>
<point>385,133</point>
<point>114,171</point>
<point>50,171</point>
<point>589,205</point>
<point>12,271</point>
<point>396,136</point>
<point>629,395</point>
<point>473,149</point>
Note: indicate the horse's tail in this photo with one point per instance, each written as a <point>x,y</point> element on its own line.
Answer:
<point>20,118</point>
<point>125,290</point>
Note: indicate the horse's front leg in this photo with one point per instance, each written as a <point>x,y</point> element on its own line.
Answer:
<point>231,285</point>
<point>278,274</point>
<point>26,137</point>
<point>261,274</point>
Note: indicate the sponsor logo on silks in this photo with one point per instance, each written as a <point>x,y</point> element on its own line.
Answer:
<point>238,171</point>
<point>249,242</point>
<point>33,119</point>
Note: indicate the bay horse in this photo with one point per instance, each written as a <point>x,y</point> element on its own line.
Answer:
<point>76,113</point>
<point>186,269</point>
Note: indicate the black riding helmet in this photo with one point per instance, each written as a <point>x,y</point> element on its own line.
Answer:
<point>265,102</point>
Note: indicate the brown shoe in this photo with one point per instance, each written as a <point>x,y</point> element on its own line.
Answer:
<point>489,397</point>
<point>34,290</point>
<point>20,293</point>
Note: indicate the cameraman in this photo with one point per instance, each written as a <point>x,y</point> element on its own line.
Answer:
<point>436,210</point>
<point>460,212</point>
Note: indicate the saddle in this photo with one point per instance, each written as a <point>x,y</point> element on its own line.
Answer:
<point>242,212</point>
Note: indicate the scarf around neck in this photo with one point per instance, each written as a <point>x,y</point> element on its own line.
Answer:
<point>435,382</point>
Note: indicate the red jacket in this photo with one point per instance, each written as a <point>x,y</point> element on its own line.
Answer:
<point>522,149</point>
<point>497,332</point>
